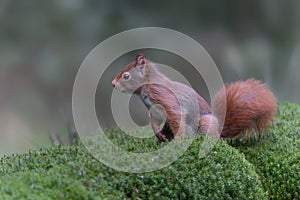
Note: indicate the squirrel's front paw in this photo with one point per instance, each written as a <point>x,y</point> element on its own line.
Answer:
<point>161,137</point>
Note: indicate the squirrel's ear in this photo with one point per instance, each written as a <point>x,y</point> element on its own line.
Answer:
<point>140,63</point>
<point>140,60</point>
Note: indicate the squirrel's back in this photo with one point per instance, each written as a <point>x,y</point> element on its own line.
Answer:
<point>250,106</point>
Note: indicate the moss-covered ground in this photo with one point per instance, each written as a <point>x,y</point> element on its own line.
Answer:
<point>265,168</point>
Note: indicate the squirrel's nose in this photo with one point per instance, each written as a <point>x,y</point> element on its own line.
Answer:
<point>113,83</point>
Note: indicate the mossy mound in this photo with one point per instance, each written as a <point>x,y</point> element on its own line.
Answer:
<point>223,174</point>
<point>277,156</point>
<point>71,173</point>
<point>267,168</point>
<point>42,185</point>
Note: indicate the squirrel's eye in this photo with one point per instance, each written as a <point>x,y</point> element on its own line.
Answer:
<point>126,76</point>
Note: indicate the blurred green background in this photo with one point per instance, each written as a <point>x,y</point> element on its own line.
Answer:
<point>42,44</point>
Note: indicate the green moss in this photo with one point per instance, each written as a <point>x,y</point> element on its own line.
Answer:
<point>259,169</point>
<point>34,185</point>
<point>224,173</point>
<point>54,173</point>
<point>277,155</point>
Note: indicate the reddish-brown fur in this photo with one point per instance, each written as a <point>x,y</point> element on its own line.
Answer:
<point>250,106</point>
<point>126,69</point>
<point>171,106</point>
<point>129,66</point>
<point>168,101</point>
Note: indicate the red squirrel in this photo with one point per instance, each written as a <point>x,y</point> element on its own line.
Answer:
<point>250,105</point>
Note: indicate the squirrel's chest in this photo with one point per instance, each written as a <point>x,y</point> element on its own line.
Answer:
<point>157,111</point>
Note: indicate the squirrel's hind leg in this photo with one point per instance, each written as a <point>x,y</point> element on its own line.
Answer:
<point>157,130</point>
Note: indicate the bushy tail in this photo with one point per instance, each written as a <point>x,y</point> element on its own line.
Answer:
<point>250,107</point>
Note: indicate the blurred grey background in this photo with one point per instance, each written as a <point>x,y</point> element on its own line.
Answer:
<point>42,44</point>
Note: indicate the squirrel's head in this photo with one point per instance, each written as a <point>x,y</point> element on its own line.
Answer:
<point>132,76</point>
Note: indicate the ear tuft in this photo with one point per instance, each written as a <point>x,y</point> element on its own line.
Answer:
<point>140,60</point>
